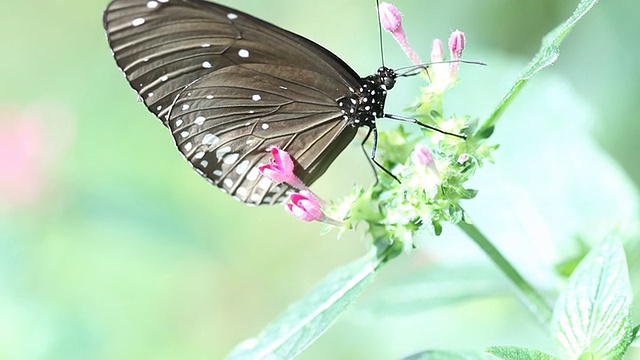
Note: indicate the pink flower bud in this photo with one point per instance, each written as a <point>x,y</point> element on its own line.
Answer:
<point>305,206</point>
<point>390,17</point>
<point>391,21</point>
<point>422,156</point>
<point>456,45</point>
<point>280,168</point>
<point>437,51</point>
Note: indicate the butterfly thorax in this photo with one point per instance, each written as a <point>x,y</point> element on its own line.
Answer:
<point>367,102</point>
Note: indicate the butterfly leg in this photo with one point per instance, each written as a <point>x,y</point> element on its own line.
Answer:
<point>415,121</point>
<point>364,150</point>
<point>373,153</point>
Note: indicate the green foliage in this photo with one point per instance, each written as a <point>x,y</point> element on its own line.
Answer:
<point>546,56</point>
<point>450,355</point>
<point>597,298</point>
<point>306,320</point>
<point>592,317</point>
<point>516,353</point>
<point>429,194</point>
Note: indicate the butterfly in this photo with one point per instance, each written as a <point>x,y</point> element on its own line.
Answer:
<point>229,86</point>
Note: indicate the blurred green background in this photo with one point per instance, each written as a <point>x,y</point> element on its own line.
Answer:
<point>111,247</point>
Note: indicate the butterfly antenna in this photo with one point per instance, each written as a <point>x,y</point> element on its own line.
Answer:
<point>412,70</point>
<point>380,31</point>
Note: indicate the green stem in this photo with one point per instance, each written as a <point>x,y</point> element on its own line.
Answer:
<point>534,301</point>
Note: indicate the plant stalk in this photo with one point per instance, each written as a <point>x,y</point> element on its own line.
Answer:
<point>532,299</point>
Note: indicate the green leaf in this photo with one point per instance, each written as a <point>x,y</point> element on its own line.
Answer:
<point>306,320</point>
<point>636,337</point>
<point>517,353</point>
<point>468,194</point>
<point>450,355</point>
<point>547,55</point>
<point>592,315</point>
<point>439,286</point>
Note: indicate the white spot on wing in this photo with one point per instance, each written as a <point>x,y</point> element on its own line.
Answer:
<point>204,163</point>
<point>253,174</point>
<point>185,107</point>
<point>243,53</point>
<point>255,197</point>
<point>256,97</point>
<point>228,182</point>
<point>188,146</point>
<point>199,120</point>
<point>164,78</point>
<point>232,16</point>
<point>241,191</point>
<point>223,151</point>
<point>209,97</point>
<point>209,139</point>
<point>242,167</point>
<point>264,183</point>
<point>217,172</point>
<point>178,122</point>
<point>152,4</point>
<point>231,158</point>
<point>137,22</point>
<point>205,45</point>
<point>184,134</point>
<point>265,126</point>
<point>199,155</point>
<point>206,65</point>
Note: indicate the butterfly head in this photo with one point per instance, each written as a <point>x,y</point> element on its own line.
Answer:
<point>387,77</point>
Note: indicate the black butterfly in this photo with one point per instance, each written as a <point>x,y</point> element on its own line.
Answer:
<point>229,86</point>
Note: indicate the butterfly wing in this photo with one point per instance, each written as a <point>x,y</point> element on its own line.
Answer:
<point>229,86</point>
<point>224,123</point>
<point>164,45</point>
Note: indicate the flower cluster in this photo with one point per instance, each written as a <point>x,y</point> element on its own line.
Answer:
<point>304,205</point>
<point>431,173</point>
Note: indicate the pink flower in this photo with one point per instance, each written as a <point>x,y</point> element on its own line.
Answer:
<point>280,168</point>
<point>305,206</point>
<point>437,51</point>
<point>30,147</point>
<point>391,21</point>
<point>456,45</point>
<point>422,156</point>
<point>390,17</point>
